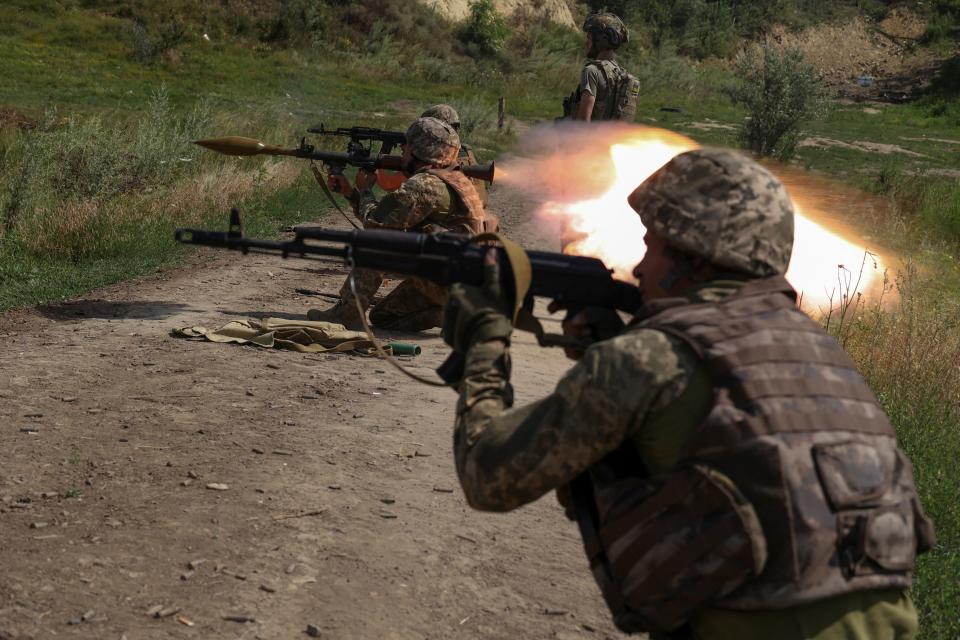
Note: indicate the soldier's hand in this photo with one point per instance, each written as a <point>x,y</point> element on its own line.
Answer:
<point>339,183</point>
<point>366,180</point>
<point>588,325</point>
<point>478,314</point>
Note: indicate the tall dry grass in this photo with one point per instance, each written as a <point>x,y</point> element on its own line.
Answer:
<point>907,345</point>
<point>80,188</point>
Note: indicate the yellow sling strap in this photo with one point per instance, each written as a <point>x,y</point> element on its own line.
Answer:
<point>522,276</point>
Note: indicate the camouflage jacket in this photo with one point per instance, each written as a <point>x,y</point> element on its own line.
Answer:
<point>422,203</point>
<point>643,386</point>
<point>623,388</point>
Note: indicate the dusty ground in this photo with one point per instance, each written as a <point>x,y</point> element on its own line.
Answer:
<point>342,508</point>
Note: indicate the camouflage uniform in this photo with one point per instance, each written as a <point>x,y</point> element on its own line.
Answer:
<point>599,75</point>
<point>466,156</point>
<point>432,199</point>
<point>645,405</point>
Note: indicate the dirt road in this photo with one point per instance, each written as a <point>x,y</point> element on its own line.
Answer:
<point>341,507</point>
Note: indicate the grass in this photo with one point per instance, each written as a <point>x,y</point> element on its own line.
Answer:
<point>909,352</point>
<point>137,248</point>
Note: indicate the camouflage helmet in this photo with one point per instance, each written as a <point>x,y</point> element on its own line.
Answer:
<point>443,112</point>
<point>433,141</point>
<point>722,206</point>
<point>607,30</point>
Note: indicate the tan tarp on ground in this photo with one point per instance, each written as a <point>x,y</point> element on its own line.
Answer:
<point>299,335</point>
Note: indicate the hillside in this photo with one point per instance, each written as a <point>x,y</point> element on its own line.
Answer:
<point>554,10</point>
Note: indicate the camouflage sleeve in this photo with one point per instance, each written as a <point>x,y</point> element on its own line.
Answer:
<point>590,79</point>
<point>365,203</point>
<point>417,199</point>
<point>508,457</point>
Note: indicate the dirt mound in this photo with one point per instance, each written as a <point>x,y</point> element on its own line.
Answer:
<point>865,60</point>
<point>903,24</point>
<point>554,10</point>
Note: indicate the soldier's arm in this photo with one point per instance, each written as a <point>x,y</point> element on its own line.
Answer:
<point>508,457</point>
<point>589,83</point>
<point>420,196</point>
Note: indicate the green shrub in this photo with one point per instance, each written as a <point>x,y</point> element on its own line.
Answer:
<point>147,46</point>
<point>76,164</point>
<point>780,91</point>
<point>874,9</point>
<point>944,22</point>
<point>484,31</point>
<point>712,32</point>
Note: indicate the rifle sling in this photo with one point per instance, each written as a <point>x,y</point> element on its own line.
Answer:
<point>323,185</point>
<point>523,317</point>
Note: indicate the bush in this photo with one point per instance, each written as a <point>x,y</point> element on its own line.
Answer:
<point>874,9</point>
<point>77,164</point>
<point>712,33</point>
<point>146,47</point>
<point>780,91</point>
<point>944,22</point>
<point>484,31</point>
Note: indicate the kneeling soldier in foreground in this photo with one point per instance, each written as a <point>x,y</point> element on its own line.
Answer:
<point>732,474</point>
<point>435,197</point>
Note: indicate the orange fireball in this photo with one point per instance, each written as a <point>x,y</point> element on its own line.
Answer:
<point>581,176</point>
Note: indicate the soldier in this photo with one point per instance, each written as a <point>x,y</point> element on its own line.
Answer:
<point>449,115</point>
<point>434,197</point>
<point>446,113</point>
<point>732,474</point>
<point>606,91</point>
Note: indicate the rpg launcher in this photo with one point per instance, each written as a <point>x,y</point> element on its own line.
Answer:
<point>335,161</point>
<point>443,258</point>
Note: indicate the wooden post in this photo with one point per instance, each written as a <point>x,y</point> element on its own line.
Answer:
<point>501,112</point>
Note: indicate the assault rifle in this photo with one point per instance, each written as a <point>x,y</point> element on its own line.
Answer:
<point>335,161</point>
<point>362,138</point>
<point>443,258</point>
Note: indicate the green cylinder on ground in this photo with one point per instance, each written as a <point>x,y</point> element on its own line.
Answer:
<point>404,348</point>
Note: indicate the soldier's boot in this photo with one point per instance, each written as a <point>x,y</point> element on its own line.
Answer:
<point>413,322</point>
<point>339,313</point>
<point>345,312</point>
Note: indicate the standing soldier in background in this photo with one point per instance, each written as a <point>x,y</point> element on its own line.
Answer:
<point>732,473</point>
<point>606,91</point>
<point>435,196</point>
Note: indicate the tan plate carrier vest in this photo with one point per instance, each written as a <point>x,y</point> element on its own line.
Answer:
<point>467,157</point>
<point>605,106</point>
<point>474,220</point>
<point>802,438</point>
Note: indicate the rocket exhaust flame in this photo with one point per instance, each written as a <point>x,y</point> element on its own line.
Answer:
<point>580,176</point>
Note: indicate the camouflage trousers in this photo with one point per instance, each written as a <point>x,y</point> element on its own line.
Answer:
<point>415,305</point>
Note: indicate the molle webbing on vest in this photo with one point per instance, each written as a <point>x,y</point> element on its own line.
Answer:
<point>779,368</point>
<point>799,432</point>
<point>472,220</point>
<point>605,104</point>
